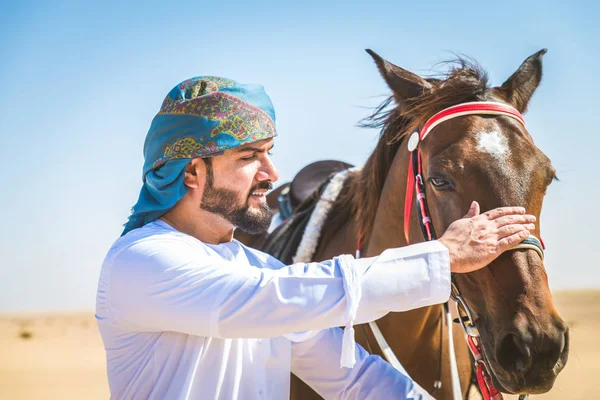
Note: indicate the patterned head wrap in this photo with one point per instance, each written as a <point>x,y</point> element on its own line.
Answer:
<point>200,117</point>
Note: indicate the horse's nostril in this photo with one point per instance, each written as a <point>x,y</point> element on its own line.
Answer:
<point>550,350</point>
<point>513,354</point>
<point>565,342</point>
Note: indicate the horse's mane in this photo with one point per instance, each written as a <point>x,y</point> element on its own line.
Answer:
<point>464,81</point>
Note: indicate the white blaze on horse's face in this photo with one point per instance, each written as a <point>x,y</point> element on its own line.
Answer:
<point>493,143</point>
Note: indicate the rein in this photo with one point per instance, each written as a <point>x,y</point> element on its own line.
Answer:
<point>415,187</point>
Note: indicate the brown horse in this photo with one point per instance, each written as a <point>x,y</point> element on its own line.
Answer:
<point>491,159</point>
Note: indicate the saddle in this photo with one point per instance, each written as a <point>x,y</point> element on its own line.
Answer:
<point>305,183</point>
<point>296,203</point>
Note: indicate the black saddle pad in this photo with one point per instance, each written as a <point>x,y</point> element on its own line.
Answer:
<point>283,242</point>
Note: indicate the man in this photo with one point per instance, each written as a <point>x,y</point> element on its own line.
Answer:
<point>186,312</point>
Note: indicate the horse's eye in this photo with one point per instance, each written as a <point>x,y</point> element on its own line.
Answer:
<point>439,183</point>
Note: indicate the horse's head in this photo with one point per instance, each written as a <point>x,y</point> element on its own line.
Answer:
<point>491,159</point>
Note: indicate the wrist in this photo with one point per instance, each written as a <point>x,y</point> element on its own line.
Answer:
<point>451,256</point>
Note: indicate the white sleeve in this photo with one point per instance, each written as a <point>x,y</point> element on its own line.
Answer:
<point>166,286</point>
<point>316,362</point>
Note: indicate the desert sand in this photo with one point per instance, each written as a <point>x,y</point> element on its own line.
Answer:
<point>60,355</point>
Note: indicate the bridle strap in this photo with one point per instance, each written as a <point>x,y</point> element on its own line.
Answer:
<point>532,243</point>
<point>471,108</point>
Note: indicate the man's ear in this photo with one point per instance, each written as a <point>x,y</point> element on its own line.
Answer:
<point>195,174</point>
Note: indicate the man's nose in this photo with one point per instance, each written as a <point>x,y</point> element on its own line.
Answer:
<point>268,171</point>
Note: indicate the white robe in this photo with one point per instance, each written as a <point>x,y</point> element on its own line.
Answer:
<point>182,319</point>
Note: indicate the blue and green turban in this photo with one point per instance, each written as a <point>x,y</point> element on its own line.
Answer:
<point>200,117</point>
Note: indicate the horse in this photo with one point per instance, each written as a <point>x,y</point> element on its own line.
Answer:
<point>488,158</point>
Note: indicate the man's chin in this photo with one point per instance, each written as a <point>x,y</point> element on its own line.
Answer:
<point>254,220</point>
<point>257,229</point>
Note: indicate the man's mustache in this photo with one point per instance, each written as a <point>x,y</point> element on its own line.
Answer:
<point>268,185</point>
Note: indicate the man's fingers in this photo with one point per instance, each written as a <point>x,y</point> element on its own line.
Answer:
<point>511,241</point>
<point>508,230</point>
<point>502,211</point>
<point>514,219</point>
<point>473,210</point>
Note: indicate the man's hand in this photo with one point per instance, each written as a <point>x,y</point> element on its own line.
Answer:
<point>476,240</point>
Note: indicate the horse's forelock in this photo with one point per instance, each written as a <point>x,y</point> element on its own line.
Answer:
<point>464,81</point>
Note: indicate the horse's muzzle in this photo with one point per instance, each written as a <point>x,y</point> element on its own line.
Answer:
<point>527,363</point>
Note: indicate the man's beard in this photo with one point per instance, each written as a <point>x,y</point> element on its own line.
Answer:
<point>225,202</point>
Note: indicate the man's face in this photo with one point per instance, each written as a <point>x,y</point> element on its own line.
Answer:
<point>236,186</point>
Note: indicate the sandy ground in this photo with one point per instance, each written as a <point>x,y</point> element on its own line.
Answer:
<point>60,356</point>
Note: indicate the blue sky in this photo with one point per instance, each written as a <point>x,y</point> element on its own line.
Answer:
<point>81,82</point>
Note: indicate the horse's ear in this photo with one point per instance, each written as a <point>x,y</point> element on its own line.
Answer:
<point>519,88</point>
<point>404,84</point>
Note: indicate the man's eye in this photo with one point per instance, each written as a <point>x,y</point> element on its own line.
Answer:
<point>250,158</point>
